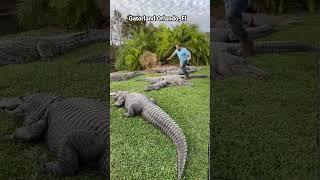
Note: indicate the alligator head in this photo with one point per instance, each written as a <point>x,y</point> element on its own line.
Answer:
<point>118,94</point>
<point>31,107</point>
<point>119,97</point>
<point>12,105</point>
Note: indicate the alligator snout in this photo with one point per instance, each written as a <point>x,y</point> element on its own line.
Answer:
<point>9,103</point>
<point>114,95</point>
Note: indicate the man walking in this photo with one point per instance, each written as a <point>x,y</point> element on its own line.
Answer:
<point>234,10</point>
<point>184,56</point>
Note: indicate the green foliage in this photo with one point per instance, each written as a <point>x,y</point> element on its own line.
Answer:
<point>163,35</point>
<point>161,40</point>
<point>34,14</point>
<point>132,49</point>
<point>311,5</point>
<point>282,6</point>
<point>129,26</point>
<point>197,43</point>
<point>75,13</point>
<point>212,3</point>
<point>274,6</point>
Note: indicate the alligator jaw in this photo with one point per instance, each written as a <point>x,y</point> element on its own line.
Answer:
<point>9,103</point>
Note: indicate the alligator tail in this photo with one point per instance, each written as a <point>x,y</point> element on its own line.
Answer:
<point>162,120</point>
<point>283,46</point>
<point>261,31</point>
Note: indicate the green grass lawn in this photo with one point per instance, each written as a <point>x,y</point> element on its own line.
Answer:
<point>62,77</point>
<point>267,129</point>
<point>140,151</point>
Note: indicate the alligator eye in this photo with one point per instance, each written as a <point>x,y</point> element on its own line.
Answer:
<point>21,97</point>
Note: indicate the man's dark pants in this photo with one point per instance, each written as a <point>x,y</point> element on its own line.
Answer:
<point>184,70</point>
<point>234,9</point>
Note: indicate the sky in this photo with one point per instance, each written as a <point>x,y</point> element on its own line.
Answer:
<point>197,11</point>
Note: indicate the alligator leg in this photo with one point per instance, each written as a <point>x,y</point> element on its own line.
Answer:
<point>28,133</point>
<point>156,86</point>
<point>153,101</point>
<point>76,145</point>
<point>8,103</point>
<point>45,50</point>
<point>119,102</point>
<point>224,63</point>
<point>135,108</point>
<point>16,112</point>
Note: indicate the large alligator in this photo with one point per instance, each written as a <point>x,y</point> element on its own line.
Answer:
<point>226,35</point>
<point>172,70</point>
<point>24,49</point>
<point>227,62</point>
<point>163,81</point>
<point>260,19</point>
<point>137,103</point>
<point>122,76</point>
<point>257,25</point>
<point>75,129</point>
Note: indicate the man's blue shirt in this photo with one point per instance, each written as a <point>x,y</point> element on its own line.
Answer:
<point>183,55</point>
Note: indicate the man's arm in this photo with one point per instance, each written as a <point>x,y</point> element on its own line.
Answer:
<point>173,54</point>
<point>189,56</point>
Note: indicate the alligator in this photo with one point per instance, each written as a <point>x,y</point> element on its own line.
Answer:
<point>163,81</point>
<point>120,76</point>
<point>227,62</point>
<point>226,35</point>
<point>259,19</point>
<point>24,49</point>
<point>174,70</point>
<point>136,103</point>
<point>257,25</point>
<point>75,129</point>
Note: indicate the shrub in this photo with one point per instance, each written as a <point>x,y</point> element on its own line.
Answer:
<point>281,6</point>
<point>132,49</point>
<point>148,60</point>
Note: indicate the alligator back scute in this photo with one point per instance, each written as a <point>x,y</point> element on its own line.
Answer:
<point>74,113</point>
<point>75,129</point>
